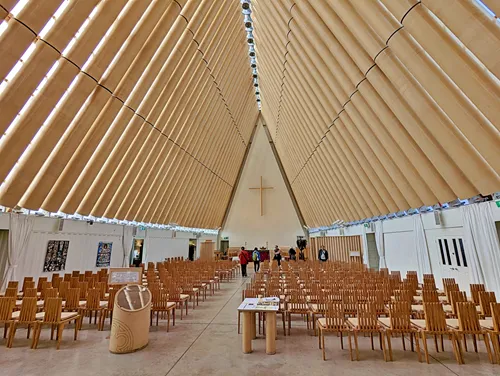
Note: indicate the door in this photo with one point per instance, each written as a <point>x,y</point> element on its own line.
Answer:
<point>136,255</point>
<point>224,245</point>
<point>192,249</point>
<point>453,259</point>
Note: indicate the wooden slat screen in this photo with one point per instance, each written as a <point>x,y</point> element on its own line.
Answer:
<point>338,247</point>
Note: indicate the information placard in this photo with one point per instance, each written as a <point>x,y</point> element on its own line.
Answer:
<point>125,276</point>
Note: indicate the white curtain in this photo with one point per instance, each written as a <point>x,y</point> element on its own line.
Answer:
<point>127,238</point>
<point>420,247</point>
<point>365,247</point>
<point>20,228</point>
<point>481,245</point>
<point>379,239</point>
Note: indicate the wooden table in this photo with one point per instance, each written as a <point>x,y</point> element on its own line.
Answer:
<point>251,306</point>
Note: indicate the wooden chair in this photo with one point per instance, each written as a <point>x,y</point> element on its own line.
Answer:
<point>455,298</point>
<point>474,292</point>
<point>41,281</point>
<point>334,322</point>
<point>49,293</point>
<point>84,287</point>
<point>399,322</point>
<point>161,305</point>
<point>468,323</point>
<point>366,322</point>
<point>11,292</point>
<point>63,289</point>
<point>72,300</point>
<point>55,318</point>
<point>26,316</point>
<point>435,324</point>
<point>30,293</point>
<point>108,309</point>
<point>56,280</point>
<point>92,306</point>
<point>7,305</point>
<point>297,305</point>
<point>430,296</point>
<point>13,285</point>
<point>495,330</point>
<point>25,282</point>
<point>485,300</point>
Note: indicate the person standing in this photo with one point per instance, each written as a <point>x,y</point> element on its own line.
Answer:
<point>293,254</point>
<point>243,261</point>
<point>256,259</point>
<point>323,254</point>
<point>277,255</point>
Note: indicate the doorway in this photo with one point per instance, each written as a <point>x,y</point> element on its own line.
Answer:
<point>373,257</point>
<point>137,252</point>
<point>192,249</point>
<point>224,245</point>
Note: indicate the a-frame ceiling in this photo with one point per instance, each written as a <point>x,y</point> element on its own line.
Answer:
<point>153,108</point>
<point>142,110</point>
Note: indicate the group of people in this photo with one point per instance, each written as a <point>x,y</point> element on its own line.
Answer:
<point>255,256</point>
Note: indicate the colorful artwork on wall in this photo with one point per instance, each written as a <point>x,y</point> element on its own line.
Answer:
<point>103,255</point>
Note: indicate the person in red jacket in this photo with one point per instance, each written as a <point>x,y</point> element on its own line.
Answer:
<point>244,260</point>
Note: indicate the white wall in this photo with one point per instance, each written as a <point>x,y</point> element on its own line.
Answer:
<point>84,239</point>
<point>279,224</point>
<point>159,244</point>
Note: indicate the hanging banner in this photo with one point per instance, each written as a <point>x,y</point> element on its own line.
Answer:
<point>103,255</point>
<point>55,258</point>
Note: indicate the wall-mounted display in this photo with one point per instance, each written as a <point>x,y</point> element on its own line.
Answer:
<point>55,258</point>
<point>103,255</point>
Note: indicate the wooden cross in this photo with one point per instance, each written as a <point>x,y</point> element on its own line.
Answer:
<point>261,188</point>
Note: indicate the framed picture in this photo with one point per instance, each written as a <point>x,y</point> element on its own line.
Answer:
<point>55,258</point>
<point>103,255</point>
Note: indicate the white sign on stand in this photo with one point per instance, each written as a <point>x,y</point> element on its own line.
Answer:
<point>125,276</point>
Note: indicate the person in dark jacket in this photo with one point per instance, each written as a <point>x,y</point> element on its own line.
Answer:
<point>277,255</point>
<point>323,254</point>
<point>293,254</point>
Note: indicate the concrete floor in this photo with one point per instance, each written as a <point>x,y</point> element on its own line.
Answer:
<point>207,343</point>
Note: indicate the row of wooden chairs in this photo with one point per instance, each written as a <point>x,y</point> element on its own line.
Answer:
<point>309,288</point>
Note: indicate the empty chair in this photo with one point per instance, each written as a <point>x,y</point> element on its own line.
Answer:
<point>7,305</point>
<point>108,308</point>
<point>474,292</point>
<point>468,323</point>
<point>55,318</point>
<point>92,306</point>
<point>25,280</point>
<point>495,329</point>
<point>399,323</point>
<point>334,322</point>
<point>485,300</point>
<point>13,285</point>
<point>366,322</point>
<point>41,281</point>
<point>435,324</point>
<point>26,316</point>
